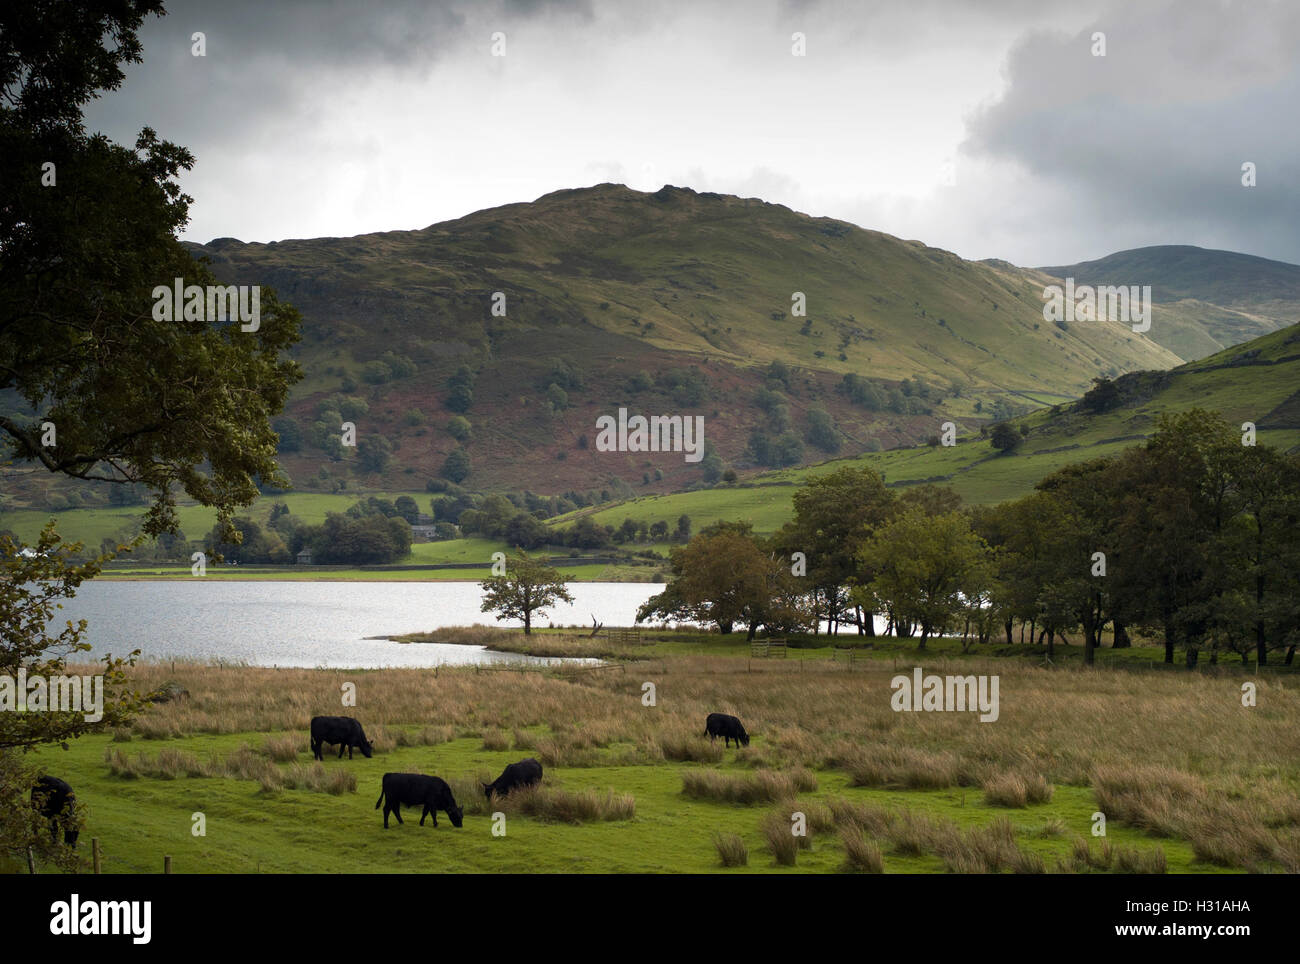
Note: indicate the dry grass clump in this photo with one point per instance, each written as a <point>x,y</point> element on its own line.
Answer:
<point>242,764</point>
<point>912,768</point>
<point>1133,860</point>
<point>547,803</point>
<point>864,817</point>
<point>778,830</point>
<point>1016,790</point>
<point>762,786</point>
<point>282,749</point>
<point>686,746</point>
<point>554,805</point>
<point>731,848</point>
<point>496,740</point>
<point>315,776</point>
<point>425,736</point>
<point>861,855</point>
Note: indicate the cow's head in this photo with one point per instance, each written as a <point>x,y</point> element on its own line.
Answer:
<point>487,788</point>
<point>457,815</point>
<point>366,749</point>
<point>744,738</point>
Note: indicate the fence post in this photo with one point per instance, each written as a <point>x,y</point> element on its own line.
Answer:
<point>167,864</point>
<point>94,853</point>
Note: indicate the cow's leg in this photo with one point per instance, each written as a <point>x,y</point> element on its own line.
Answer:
<point>397,812</point>
<point>386,812</point>
<point>433,812</point>
<point>424,813</point>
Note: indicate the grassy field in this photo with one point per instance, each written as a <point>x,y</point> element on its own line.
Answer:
<point>1189,779</point>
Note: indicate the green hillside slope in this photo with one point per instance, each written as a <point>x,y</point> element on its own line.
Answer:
<point>604,283</point>
<point>1206,300</point>
<point>1256,382</point>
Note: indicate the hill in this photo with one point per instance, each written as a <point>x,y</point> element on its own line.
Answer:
<point>1206,300</point>
<point>671,301</point>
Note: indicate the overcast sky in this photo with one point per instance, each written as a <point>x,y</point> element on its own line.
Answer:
<point>314,118</point>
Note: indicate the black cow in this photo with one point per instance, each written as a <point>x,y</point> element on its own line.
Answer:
<point>525,773</point>
<point>727,727</point>
<point>415,788</point>
<point>56,801</point>
<point>341,730</point>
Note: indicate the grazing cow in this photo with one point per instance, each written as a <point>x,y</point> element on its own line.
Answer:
<point>56,801</point>
<point>341,730</point>
<point>525,773</point>
<point>415,788</point>
<point>727,727</point>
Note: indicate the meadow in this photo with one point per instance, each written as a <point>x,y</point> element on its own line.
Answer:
<point>1190,780</point>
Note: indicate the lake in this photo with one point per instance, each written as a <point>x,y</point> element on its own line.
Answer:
<point>315,624</point>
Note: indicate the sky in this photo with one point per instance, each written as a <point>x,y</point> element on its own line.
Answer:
<point>992,129</point>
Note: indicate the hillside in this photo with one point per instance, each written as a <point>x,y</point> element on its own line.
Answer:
<point>1257,382</point>
<point>606,283</point>
<point>1206,300</point>
<point>677,302</point>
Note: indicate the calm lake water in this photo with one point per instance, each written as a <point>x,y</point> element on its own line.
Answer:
<point>315,623</point>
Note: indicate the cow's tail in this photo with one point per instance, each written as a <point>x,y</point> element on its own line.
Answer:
<point>381,798</point>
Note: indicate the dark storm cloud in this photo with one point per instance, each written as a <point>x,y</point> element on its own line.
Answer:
<point>1147,143</point>
<point>315,118</point>
<point>266,59</point>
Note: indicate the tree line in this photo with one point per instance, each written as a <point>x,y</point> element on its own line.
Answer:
<point>1191,539</point>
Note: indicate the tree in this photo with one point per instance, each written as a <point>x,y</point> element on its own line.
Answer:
<point>456,466</point>
<point>459,428</point>
<point>374,452</point>
<point>407,508</point>
<point>718,577</point>
<point>556,398</point>
<point>821,431</point>
<point>528,587</point>
<point>31,583</point>
<point>683,532</point>
<point>133,399</point>
<point>461,390</point>
<point>1005,437</point>
<point>834,514</point>
<point>922,565</point>
<point>183,404</point>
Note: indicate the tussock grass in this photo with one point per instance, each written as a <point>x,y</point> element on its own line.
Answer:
<point>777,828</point>
<point>1053,828</point>
<point>496,740</point>
<point>763,786</point>
<point>315,776</point>
<point>556,805</point>
<point>731,848</point>
<point>863,817</point>
<point>1016,790</point>
<point>282,749</point>
<point>861,855</point>
<point>1132,860</point>
<point>911,768</point>
<point>242,764</point>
